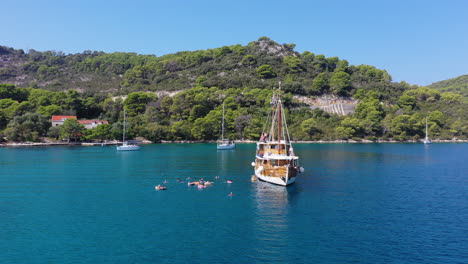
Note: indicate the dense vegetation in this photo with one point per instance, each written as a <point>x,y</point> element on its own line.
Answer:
<point>457,85</point>
<point>99,85</point>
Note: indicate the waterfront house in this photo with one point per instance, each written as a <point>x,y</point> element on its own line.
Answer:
<point>88,124</point>
<point>59,120</point>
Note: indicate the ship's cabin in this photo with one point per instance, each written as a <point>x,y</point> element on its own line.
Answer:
<point>279,162</point>
<point>274,148</point>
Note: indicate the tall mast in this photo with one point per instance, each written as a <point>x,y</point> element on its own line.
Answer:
<point>279,118</point>
<point>123,137</point>
<point>426,128</point>
<point>222,126</point>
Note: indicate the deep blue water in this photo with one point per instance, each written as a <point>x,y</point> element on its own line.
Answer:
<point>355,203</point>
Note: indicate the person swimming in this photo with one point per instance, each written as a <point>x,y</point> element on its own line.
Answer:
<point>231,194</point>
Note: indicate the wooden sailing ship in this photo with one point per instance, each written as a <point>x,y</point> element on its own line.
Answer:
<point>275,160</point>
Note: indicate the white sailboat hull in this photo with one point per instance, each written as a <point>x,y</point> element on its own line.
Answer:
<point>426,139</point>
<point>126,147</point>
<point>225,146</point>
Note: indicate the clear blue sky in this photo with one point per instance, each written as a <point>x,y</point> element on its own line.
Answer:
<point>419,42</point>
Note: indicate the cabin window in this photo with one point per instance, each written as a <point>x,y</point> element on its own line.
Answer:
<point>275,162</point>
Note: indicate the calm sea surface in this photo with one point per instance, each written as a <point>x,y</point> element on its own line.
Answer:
<point>355,203</point>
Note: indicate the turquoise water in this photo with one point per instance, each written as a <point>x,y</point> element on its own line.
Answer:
<point>361,203</point>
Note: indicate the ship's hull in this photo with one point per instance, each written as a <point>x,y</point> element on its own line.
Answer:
<point>276,180</point>
<point>283,176</point>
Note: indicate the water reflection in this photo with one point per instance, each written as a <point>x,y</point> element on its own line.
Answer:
<point>271,222</point>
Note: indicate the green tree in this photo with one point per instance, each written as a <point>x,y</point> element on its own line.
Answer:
<point>265,72</point>
<point>155,132</point>
<point>136,102</point>
<point>73,101</point>
<point>407,102</point>
<point>344,132</point>
<point>249,60</point>
<point>310,126</point>
<point>54,132</point>
<point>201,81</point>
<point>320,84</point>
<point>240,123</point>
<point>437,117</point>
<point>27,127</point>
<point>294,64</point>
<point>101,132</point>
<point>3,119</point>
<point>71,129</point>
<point>49,110</point>
<point>340,83</point>
<point>181,130</point>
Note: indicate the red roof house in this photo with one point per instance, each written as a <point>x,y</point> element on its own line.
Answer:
<point>88,124</point>
<point>59,120</point>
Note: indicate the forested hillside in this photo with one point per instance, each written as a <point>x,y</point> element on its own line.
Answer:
<point>457,85</point>
<point>38,85</point>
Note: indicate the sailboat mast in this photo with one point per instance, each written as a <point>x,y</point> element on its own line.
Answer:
<point>426,128</point>
<point>280,118</point>
<point>222,126</point>
<point>123,137</point>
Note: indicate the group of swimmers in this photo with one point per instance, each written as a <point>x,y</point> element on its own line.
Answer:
<point>201,184</point>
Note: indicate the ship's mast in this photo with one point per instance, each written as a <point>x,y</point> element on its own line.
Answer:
<point>279,118</point>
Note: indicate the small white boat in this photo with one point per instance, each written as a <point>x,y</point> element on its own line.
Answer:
<point>125,146</point>
<point>224,144</point>
<point>426,139</point>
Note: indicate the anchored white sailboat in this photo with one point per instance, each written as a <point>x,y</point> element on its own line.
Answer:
<point>275,160</point>
<point>125,146</point>
<point>224,144</point>
<point>426,139</point>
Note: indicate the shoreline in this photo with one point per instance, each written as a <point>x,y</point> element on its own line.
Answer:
<point>114,143</point>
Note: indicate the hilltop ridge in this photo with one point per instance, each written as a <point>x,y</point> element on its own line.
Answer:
<point>457,85</point>
<point>259,64</point>
<point>180,96</point>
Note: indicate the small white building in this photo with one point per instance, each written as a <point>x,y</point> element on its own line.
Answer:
<point>88,124</point>
<point>59,120</point>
